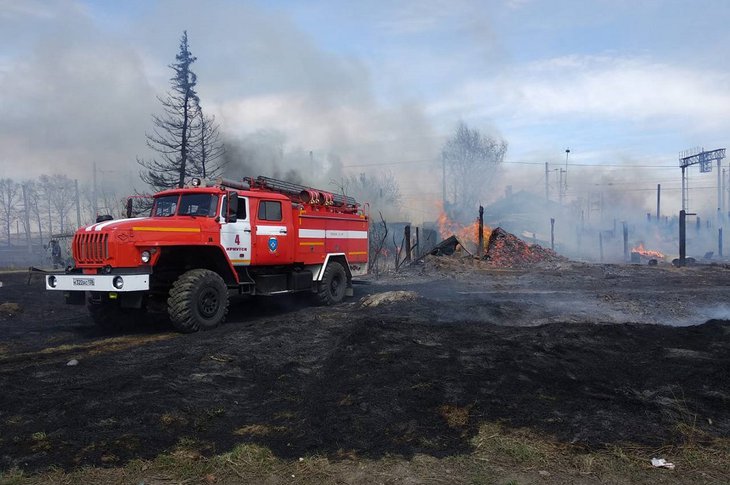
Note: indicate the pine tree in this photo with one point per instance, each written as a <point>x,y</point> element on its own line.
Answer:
<point>186,142</point>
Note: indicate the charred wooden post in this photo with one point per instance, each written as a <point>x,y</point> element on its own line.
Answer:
<point>682,237</point>
<point>552,233</point>
<point>626,241</point>
<point>719,242</point>
<point>480,236</point>
<point>418,243</point>
<point>407,239</point>
<point>600,245</point>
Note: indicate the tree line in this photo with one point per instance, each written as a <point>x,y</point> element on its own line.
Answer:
<point>34,210</point>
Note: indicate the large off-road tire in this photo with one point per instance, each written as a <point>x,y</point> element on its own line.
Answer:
<point>109,316</point>
<point>333,285</point>
<point>198,301</point>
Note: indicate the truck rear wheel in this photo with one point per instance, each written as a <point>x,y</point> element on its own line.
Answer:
<point>333,285</point>
<point>198,301</point>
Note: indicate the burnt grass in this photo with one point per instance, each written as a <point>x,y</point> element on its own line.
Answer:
<point>543,349</point>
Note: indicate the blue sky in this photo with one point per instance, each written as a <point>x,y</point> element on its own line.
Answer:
<point>619,82</point>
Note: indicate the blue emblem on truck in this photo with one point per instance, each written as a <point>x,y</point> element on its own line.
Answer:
<point>273,244</point>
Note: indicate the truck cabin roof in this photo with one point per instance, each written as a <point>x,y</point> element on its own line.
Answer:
<point>218,190</point>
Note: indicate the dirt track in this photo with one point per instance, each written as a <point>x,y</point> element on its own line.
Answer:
<point>588,354</point>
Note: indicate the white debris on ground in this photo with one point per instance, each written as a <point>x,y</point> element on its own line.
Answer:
<point>388,297</point>
<point>662,463</point>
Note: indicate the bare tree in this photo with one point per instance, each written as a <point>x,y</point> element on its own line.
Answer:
<point>377,238</point>
<point>35,211</point>
<point>46,189</point>
<point>173,134</point>
<point>470,162</point>
<point>62,198</point>
<point>208,150</point>
<point>9,203</point>
<point>381,191</point>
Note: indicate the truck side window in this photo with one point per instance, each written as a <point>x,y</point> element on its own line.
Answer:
<point>241,209</point>
<point>270,210</point>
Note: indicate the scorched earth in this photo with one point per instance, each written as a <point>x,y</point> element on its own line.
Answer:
<point>585,357</point>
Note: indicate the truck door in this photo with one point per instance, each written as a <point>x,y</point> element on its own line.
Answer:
<point>272,240</point>
<point>236,236</point>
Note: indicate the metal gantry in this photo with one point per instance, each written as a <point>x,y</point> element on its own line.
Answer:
<point>704,158</point>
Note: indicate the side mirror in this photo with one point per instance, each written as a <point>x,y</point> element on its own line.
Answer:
<point>231,207</point>
<point>129,208</point>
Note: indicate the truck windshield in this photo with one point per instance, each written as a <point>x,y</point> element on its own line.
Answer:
<point>204,205</point>
<point>165,206</point>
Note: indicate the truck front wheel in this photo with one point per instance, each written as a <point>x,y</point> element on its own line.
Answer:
<point>333,285</point>
<point>198,301</point>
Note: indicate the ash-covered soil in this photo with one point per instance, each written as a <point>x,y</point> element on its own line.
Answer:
<point>594,355</point>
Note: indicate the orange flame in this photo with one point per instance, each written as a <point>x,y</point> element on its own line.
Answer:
<point>646,252</point>
<point>465,234</point>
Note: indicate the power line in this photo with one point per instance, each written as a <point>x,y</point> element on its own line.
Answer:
<point>576,165</point>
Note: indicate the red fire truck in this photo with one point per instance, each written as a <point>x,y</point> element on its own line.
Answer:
<point>256,236</point>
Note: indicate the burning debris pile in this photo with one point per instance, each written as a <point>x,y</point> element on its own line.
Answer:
<point>639,253</point>
<point>502,249</point>
<point>507,250</point>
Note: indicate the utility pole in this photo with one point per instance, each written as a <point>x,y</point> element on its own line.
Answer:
<point>94,204</point>
<point>443,184</point>
<point>78,205</point>
<point>724,204</point>
<point>684,189</point>
<point>26,220</point>
<point>658,200</point>
<point>567,152</point>
<point>719,188</point>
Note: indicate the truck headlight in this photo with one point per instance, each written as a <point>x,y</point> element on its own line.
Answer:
<point>145,257</point>
<point>118,282</point>
<point>52,281</point>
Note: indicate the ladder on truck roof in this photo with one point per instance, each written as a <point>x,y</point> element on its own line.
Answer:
<point>302,193</point>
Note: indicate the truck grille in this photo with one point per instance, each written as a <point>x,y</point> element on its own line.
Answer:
<point>91,248</point>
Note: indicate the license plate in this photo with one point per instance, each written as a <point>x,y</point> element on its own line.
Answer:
<point>83,281</point>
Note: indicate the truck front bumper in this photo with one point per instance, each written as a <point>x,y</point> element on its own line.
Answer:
<point>107,283</point>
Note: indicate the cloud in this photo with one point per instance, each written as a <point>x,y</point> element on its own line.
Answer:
<point>70,98</point>
<point>632,89</point>
<point>629,88</point>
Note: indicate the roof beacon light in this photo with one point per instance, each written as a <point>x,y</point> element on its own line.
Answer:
<point>195,182</point>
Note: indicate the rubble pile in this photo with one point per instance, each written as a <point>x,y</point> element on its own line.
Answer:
<point>507,250</point>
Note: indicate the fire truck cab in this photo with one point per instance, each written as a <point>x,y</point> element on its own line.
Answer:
<point>256,236</point>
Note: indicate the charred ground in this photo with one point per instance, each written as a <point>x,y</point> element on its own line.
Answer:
<point>588,355</point>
